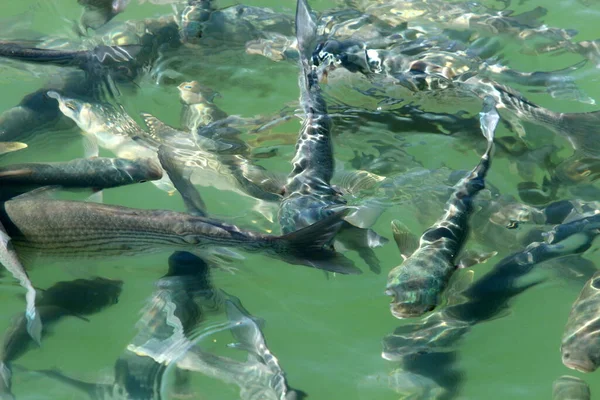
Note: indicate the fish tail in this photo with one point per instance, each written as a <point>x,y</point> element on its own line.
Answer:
<point>312,245</point>
<point>306,28</point>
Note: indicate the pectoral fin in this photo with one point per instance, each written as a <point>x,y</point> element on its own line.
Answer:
<point>470,258</point>
<point>406,241</point>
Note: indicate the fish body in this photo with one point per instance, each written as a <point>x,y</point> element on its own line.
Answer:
<point>488,297</point>
<point>581,339</point>
<point>308,194</point>
<point>57,228</point>
<point>416,285</point>
<point>97,173</point>
<point>570,388</point>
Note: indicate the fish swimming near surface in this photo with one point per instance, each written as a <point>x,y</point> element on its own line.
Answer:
<point>57,228</point>
<point>581,339</point>
<point>570,388</point>
<point>78,298</point>
<point>95,173</point>
<point>417,284</point>
<point>308,195</point>
<point>489,296</point>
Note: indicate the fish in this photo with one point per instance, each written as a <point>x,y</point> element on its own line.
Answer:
<point>97,13</point>
<point>570,388</point>
<point>308,195</point>
<point>198,108</point>
<point>103,65</point>
<point>78,298</point>
<point>96,173</point>
<point>260,376</point>
<point>180,301</point>
<point>111,128</point>
<point>580,345</point>
<point>416,284</point>
<point>488,297</point>
<point>71,229</point>
<point>11,261</point>
<point>175,318</point>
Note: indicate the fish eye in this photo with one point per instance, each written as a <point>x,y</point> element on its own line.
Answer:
<point>70,105</point>
<point>188,87</point>
<point>566,356</point>
<point>596,283</point>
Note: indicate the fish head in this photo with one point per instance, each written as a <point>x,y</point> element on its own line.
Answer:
<point>77,110</point>
<point>410,303</point>
<point>190,92</point>
<point>579,359</point>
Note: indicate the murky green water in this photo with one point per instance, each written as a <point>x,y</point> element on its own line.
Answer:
<point>325,330</point>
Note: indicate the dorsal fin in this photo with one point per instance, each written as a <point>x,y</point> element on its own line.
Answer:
<point>158,128</point>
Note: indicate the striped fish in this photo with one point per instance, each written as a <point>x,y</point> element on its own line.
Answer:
<point>417,284</point>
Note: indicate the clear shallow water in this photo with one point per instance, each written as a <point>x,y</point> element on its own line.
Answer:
<point>325,331</point>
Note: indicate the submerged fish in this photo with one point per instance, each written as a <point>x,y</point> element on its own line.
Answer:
<point>308,195</point>
<point>78,298</point>
<point>198,110</point>
<point>488,297</point>
<point>10,260</point>
<point>96,173</point>
<point>581,340</point>
<point>416,284</point>
<point>77,229</point>
<point>570,388</point>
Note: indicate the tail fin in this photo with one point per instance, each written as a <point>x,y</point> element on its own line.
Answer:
<point>312,246</point>
<point>306,28</point>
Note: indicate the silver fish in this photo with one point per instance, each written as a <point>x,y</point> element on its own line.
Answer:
<point>416,284</point>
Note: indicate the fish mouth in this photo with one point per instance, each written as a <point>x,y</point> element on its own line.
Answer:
<point>403,310</point>
<point>579,366</point>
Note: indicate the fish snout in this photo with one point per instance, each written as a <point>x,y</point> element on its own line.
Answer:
<point>579,362</point>
<point>401,308</point>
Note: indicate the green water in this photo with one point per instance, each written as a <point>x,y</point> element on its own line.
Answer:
<point>325,331</point>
